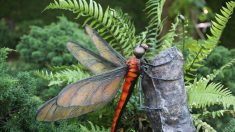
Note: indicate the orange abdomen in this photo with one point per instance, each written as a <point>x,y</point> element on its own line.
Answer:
<point>130,78</point>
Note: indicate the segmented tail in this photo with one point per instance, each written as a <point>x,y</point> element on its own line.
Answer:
<point>127,89</point>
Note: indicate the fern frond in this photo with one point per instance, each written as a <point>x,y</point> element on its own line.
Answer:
<point>113,25</point>
<point>168,39</point>
<point>193,50</point>
<point>200,125</point>
<point>43,74</point>
<point>216,72</point>
<point>198,55</point>
<point>92,128</point>
<point>71,67</point>
<point>213,114</point>
<point>203,94</point>
<point>219,25</point>
<point>153,11</point>
<point>66,76</point>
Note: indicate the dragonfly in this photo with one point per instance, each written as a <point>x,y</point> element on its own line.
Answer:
<point>87,95</point>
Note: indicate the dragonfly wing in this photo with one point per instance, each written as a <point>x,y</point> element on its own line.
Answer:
<point>95,63</point>
<point>50,111</point>
<point>97,89</point>
<point>103,47</point>
<point>82,97</point>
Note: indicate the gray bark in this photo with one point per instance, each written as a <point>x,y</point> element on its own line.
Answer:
<point>163,88</point>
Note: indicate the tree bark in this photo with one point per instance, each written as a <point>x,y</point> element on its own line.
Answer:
<point>163,88</point>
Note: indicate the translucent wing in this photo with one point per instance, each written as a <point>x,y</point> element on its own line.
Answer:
<point>103,47</point>
<point>50,111</point>
<point>82,97</point>
<point>94,90</point>
<point>95,63</point>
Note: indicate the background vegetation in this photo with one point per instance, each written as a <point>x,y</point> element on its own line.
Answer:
<point>39,65</point>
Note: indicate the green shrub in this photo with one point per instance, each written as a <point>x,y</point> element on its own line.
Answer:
<point>46,45</point>
<point>17,98</point>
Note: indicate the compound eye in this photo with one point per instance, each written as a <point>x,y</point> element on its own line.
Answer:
<point>139,52</point>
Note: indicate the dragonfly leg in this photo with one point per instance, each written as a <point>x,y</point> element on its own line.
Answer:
<point>140,93</point>
<point>145,62</point>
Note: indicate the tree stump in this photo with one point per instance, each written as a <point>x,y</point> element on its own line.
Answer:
<point>163,88</point>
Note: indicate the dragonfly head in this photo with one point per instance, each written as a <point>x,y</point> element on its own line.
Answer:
<point>140,50</point>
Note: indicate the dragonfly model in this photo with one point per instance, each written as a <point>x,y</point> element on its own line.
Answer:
<point>89,94</point>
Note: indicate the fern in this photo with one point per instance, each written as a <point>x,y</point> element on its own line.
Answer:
<point>168,39</point>
<point>113,25</point>
<point>216,72</point>
<point>67,76</point>
<point>202,93</point>
<point>71,67</point>
<point>153,11</point>
<point>200,125</point>
<point>202,50</point>
<point>213,114</point>
<point>93,128</point>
